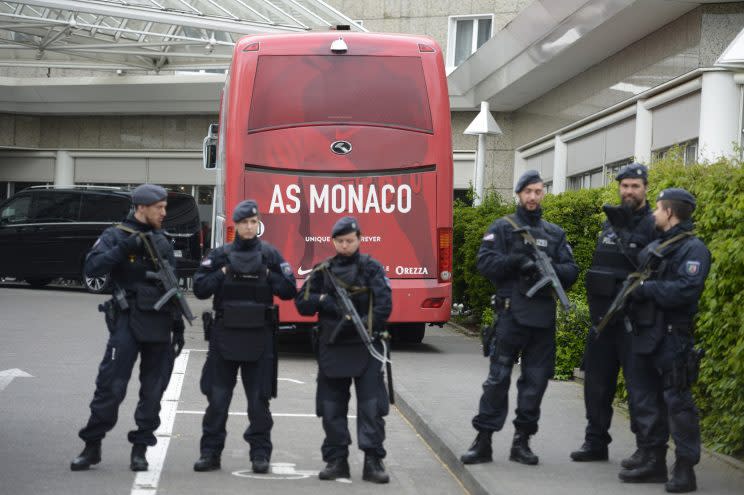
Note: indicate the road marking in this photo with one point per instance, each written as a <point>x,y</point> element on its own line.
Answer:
<point>7,376</point>
<point>280,471</point>
<point>276,415</point>
<point>146,482</point>
<point>291,380</point>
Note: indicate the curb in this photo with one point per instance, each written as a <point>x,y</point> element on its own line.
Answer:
<point>438,446</point>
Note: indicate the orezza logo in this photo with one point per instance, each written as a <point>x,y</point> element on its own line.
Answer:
<point>341,147</point>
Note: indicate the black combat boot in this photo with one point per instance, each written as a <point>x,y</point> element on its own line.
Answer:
<point>589,453</point>
<point>374,470</point>
<point>635,459</point>
<point>653,468</point>
<point>138,462</point>
<point>90,455</point>
<point>520,450</point>
<point>260,465</point>
<point>336,468</point>
<point>480,451</point>
<point>207,462</point>
<point>683,477</point>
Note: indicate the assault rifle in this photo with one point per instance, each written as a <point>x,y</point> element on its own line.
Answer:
<point>166,276</point>
<point>635,279</point>
<point>349,313</point>
<point>545,268</point>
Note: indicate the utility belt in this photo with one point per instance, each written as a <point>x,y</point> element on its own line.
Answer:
<point>499,304</point>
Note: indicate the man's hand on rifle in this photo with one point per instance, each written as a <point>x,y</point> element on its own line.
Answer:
<point>328,303</point>
<point>131,244</point>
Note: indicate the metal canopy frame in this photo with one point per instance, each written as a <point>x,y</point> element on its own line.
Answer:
<point>147,35</point>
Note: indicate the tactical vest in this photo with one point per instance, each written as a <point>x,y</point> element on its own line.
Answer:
<point>539,310</point>
<point>147,324</point>
<point>614,258</point>
<point>347,356</point>
<point>244,327</point>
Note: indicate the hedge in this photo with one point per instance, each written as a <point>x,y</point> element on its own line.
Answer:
<point>719,219</point>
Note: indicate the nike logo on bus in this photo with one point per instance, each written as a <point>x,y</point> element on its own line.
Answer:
<point>300,271</point>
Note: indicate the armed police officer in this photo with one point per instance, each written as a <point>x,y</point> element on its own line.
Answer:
<point>135,327</point>
<point>665,363</point>
<point>525,326</point>
<point>343,355</point>
<point>243,276</point>
<point>628,229</point>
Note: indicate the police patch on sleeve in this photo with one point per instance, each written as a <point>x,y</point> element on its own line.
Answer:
<point>692,267</point>
<point>488,237</point>
<point>286,269</point>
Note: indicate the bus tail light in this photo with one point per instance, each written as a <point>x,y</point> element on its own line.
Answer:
<point>230,234</point>
<point>433,302</point>
<point>444,243</point>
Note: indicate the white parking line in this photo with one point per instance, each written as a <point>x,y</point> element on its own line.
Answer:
<point>276,415</point>
<point>146,482</point>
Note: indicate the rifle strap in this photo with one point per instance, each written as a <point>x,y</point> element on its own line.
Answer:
<point>353,290</point>
<point>145,241</point>
<point>525,235</point>
<point>659,252</point>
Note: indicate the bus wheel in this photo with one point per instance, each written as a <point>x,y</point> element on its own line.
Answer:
<point>38,283</point>
<point>412,333</point>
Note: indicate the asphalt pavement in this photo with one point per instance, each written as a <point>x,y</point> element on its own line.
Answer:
<point>56,336</point>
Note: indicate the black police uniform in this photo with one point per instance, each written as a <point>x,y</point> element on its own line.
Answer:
<point>662,312</point>
<point>347,358</point>
<point>615,256</point>
<point>140,330</point>
<point>525,326</point>
<point>242,338</point>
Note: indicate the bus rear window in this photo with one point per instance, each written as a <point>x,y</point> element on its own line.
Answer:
<point>294,91</point>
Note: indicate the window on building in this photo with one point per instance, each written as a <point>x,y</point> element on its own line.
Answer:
<point>465,35</point>
<point>611,169</point>
<point>548,187</point>
<point>688,150</point>
<point>586,180</point>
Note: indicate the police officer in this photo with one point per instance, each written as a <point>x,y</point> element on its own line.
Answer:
<point>243,276</point>
<point>628,229</point>
<point>665,364</point>
<point>342,355</point>
<point>135,328</point>
<point>525,326</point>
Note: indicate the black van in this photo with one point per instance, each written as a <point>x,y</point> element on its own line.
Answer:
<point>46,231</point>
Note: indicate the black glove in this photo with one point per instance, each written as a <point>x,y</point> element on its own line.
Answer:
<point>177,342</point>
<point>620,217</point>
<point>131,244</point>
<point>514,261</point>
<point>328,304</point>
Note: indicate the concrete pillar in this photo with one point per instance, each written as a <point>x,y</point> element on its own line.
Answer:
<point>64,169</point>
<point>643,133</point>
<point>560,160</point>
<point>719,116</point>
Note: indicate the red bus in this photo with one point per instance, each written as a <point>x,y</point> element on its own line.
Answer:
<point>316,126</point>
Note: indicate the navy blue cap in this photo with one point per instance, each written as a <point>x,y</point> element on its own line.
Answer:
<point>148,194</point>
<point>633,171</point>
<point>345,225</point>
<point>677,194</point>
<point>245,209</point>
<point>527,178</point>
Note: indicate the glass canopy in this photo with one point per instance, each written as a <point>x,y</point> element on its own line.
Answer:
<point>148,35</point>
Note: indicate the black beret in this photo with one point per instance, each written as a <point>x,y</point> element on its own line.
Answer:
<point>345,225</point>
<point>527,178</point>
<point>148,194</point>
<point>245,209</point>
<point>632,171</point>
<point>677,194</point>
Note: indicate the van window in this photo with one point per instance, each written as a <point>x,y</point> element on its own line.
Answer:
<point>16,210</point>
<point>104,208</point>
<point>182,215</point>
<point>55,206</point>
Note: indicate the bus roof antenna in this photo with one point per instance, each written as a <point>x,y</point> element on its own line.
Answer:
<point>339,46</point>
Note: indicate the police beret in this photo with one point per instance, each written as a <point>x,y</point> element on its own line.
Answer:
<point>632,171</point>
<point>147,194</point>
<point>677,194</point>
<point>245,209</point>
<point>527,178</point>
<point>345,225</point>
